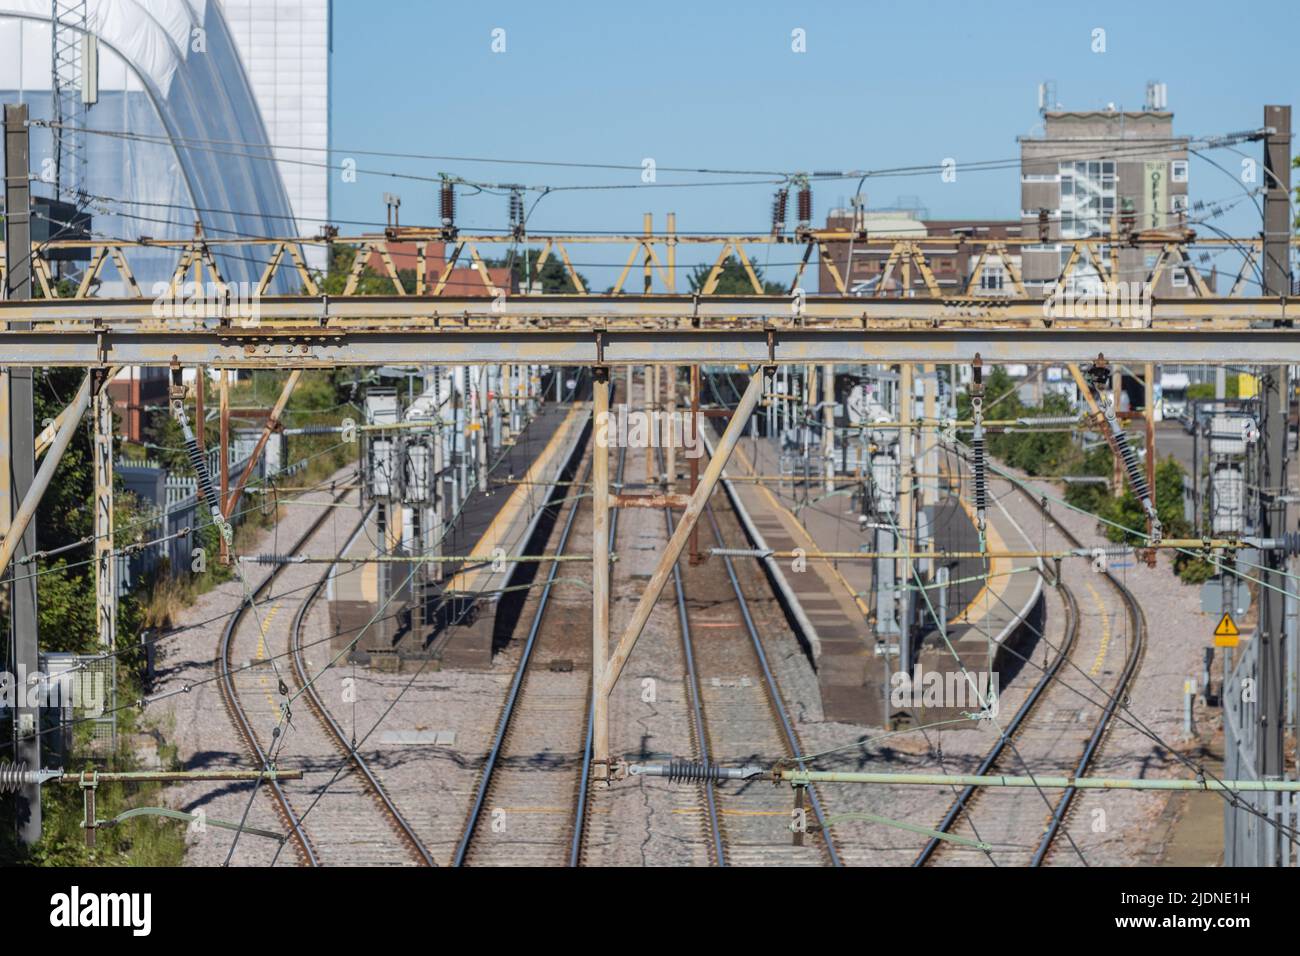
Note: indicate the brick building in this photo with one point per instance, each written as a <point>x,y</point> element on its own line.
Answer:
<point>1089,173</point>
<point>951,260</point>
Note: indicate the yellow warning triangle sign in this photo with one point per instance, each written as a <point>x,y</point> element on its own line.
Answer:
<point>1225,635</point>
<point>1227,627</point>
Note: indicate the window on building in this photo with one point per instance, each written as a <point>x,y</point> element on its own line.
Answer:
<point>1178,171</point>
<point>1179,278</point>
<point>992,278</point>
<point>1087,198</point>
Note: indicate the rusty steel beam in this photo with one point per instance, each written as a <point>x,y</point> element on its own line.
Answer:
<point>736,345</point>
<point>673,550</point>
<point>600,568</point>
<point>315,313</point>
<point>665,500</point>
<point>27,509</point>
<point>272,422</point>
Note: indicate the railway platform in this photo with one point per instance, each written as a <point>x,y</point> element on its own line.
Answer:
<point>830,600</point>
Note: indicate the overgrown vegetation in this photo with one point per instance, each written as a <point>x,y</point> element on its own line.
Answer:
<point>1056,453</point>
<point>66,615</point>
<point>733,279</point>
<point>66,600</point>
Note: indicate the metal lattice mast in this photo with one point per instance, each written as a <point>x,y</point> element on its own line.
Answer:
<point>105,559</point>
<point>67,28</point>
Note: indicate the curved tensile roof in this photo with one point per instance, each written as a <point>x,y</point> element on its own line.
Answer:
<point>206,146</point>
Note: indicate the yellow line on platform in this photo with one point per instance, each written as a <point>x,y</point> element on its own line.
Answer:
<point>1105,630</point>
<point>261,650</point>
<point>488,540</point>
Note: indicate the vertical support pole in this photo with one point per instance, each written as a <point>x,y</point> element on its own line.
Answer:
<point>459,442</point>
<point>600,569</point>
<point>1275,394</point>
<point>670,428</point>
<point>929,438</point>
<point>670,253</point>
<point>439,483</point>
<point>828,426</point>
<point>941,576</point>
<point>647,277</point>
<point>223,410</point>
<point>810,377</point>
<point>1116,390</point>
<point>200,412</point>
<point>497,398</point>
<point>22,463</point>
<point>480,434</point>
<point>906,521</point>
<point>769,416</point>
<point>89,783</point>
<point>649,407</point>
<point>1149,401</point>
<point>695,557</point>
<point>105,559</point>
<point>519,405</point>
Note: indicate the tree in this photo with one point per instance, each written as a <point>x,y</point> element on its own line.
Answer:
<point>553,275</point>
<point>369,282</point>
<point>733,279</point>
<point>65,588</point>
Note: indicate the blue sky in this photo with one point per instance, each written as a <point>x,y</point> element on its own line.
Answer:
<point>707,85</point>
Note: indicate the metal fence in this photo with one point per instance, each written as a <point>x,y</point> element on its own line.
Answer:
<point>178,507</point>
<point>1255,825</point>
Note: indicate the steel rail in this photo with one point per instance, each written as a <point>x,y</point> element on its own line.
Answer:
<point>580,812</point>
<point>512,698</point>
<point>404,829</point>
<point>1139,622</point>
<point>1063,805</point>
<point>698,724</point>
<point>967,796</point>
<point>774,693</point>
<point>230,696</point>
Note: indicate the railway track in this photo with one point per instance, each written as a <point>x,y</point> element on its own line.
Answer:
<point>739,715</point>
<point>403,829</point>
<point>531,799</point>
<point>346,828</point>
<point>1049,720</point>
<point>530,804</point>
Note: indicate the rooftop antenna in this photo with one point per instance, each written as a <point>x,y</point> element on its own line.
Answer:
<point>1047,96</point>
<point>1157,95</point>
